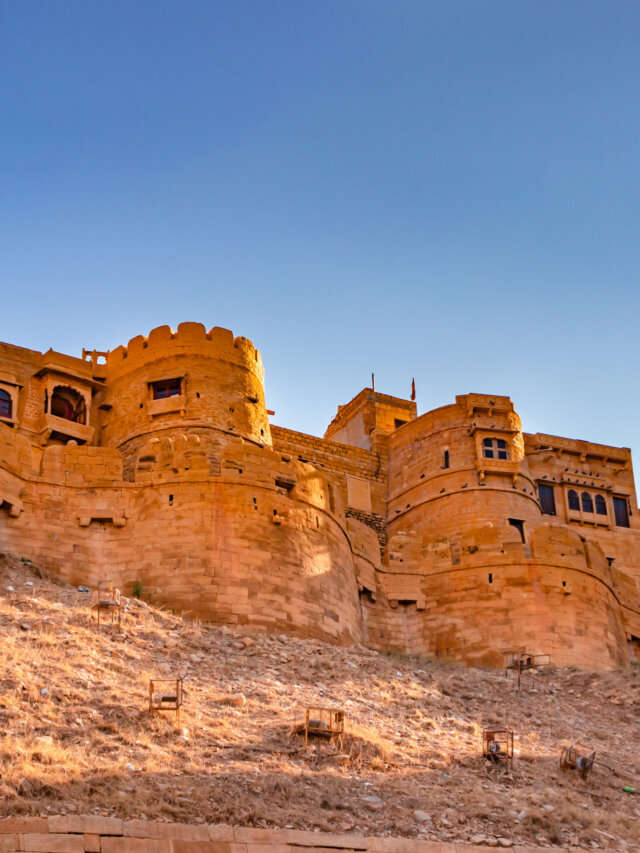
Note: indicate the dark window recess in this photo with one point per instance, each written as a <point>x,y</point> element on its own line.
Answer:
<point>518,523</point>
<point>587,502</point>
<point>166,388</point>
<point>601,505</point>
<point>610,561</point>
<point>547,499</point>
<point>487,448</point>
<point>6,404</point>
<point>445,459</point>
<point>68,404</point>
<point>574,502</point>
<point>170,500</point>
<point>490,577</point>
<point>564,583</point>
<point>281,483</point>
<point>621,512</point>
<point>398,423</point>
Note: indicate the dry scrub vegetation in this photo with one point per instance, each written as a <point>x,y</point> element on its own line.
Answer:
<point>75,735</point>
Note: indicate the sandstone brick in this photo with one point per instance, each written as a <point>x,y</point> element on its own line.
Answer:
<point>14,825</point>
<point>209,847</point>
<point>52,843</point>
<point>135,845</point>
<point>92,843</point>
<point>91,824</point>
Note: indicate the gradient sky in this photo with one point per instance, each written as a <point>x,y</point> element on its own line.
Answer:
<point>446,190</point>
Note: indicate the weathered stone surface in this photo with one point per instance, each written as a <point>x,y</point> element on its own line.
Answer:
<point>422,534</point>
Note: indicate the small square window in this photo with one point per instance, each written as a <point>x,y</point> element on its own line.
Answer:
<point>166,388</point>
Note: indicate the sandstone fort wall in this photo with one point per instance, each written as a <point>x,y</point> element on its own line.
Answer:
<point>452,534</point>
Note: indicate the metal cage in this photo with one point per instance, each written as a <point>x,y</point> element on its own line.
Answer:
<point>106,598</point>
<point>165,694</point>
<point>497,745</point>
<point>324,722</point>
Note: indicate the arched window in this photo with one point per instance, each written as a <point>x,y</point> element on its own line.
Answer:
<point>587,502</point>
<point>574,503</point>
<point>6,404</point>
<point>68,404</point>
<point>601,505</point>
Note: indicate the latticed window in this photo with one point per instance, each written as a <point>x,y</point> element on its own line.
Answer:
<point>574,501</point>
<point>6,404</point>
<point>494,448</point>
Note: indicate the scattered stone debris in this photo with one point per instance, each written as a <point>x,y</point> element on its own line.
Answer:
<point>77,735</point>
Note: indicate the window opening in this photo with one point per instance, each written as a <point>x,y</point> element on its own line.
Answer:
<point>574,502</point>
<point>601,505</point>
<point>547,499</point>
<point>6,404</point>
<point>166,388</point>
<point>445,459</point>
<point>587,502</point>
<point>494,448</point>
<point>68,404</point>
<point>490,577</point>
<point>518,523</point>
<point>610,561</point>
<point>398,423</point>
<point>621,512</point>
<point>170,500</point>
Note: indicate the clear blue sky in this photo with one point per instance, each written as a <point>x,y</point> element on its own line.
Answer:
<point>446,190</point>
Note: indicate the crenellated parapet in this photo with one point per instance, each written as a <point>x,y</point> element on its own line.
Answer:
<point>183,379</point>
<point>190,339</point>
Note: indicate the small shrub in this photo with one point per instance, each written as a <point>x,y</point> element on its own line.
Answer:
<point>137,590</point>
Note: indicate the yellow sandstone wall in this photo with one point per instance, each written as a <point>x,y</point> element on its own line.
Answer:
<point>394,529</point>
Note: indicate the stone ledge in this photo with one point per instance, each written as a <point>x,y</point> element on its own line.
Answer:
<point>95,834</point>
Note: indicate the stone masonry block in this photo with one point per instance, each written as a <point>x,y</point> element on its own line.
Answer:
<point>90,824</point>
<point>209,847</point>
<point>41,842</point>
<point>13,825</point>
<point>302,838</point>
<point>135,845</point>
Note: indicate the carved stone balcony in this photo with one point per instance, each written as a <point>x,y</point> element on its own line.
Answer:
<point>67,428</point>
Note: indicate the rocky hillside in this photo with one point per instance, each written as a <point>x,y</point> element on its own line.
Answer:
<point>76,736</point>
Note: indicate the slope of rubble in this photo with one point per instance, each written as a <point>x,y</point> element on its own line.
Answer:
<point>76,735</point>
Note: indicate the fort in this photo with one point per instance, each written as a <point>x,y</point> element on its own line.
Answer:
<point>452,534</point>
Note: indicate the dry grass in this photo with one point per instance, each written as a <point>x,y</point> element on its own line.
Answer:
<point>75,734</point>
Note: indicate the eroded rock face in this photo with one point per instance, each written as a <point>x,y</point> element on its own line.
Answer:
<point>452,534</point>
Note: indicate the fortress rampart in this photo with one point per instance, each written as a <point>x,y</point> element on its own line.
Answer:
<point>452,533</point>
